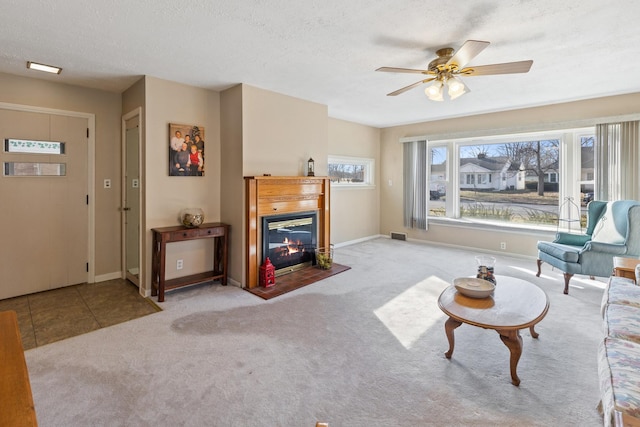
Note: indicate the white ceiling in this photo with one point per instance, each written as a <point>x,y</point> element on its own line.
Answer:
<point>326,51</point>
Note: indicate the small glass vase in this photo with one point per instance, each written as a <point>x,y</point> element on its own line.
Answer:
<point>192,217</point>
<point>486,266</point>
<point>324,257</point>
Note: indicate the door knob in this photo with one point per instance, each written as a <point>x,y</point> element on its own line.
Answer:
<point>126,209</point>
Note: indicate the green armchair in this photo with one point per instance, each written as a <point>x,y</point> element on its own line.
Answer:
<point>613,229</point>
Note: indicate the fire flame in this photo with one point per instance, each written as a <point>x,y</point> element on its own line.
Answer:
<point>292,247</point>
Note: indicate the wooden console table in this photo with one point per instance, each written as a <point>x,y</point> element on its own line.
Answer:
<point>161,236</point>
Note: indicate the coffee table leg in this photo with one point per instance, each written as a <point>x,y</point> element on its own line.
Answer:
<point>534,334</point>
<point>513,341</point>
<point>449,326</point>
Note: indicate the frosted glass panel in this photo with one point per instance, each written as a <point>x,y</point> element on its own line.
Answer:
<point>33,147</point>
<point>34,169</point>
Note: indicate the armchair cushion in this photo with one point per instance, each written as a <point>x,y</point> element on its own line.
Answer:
<point>610,228</point>
<point>572,239</point>
<point>608,248</point>
<point>565,253</point>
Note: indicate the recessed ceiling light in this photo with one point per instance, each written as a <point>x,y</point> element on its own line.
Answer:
<point>42,67</point>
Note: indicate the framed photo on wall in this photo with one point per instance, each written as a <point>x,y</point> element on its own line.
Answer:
<point>186,150</point>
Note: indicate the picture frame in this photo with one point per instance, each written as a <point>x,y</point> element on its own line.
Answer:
<point>186,150</point>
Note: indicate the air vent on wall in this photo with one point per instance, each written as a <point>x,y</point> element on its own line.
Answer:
<point>399,236</point>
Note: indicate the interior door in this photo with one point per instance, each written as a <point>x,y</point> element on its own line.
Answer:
<point>131,203</point>
<point>44,219</point>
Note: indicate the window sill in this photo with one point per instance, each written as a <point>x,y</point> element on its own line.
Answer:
<point>352,187</point>
<point>505,227</point>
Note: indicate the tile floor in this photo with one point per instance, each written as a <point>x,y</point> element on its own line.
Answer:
<point>50,316</point>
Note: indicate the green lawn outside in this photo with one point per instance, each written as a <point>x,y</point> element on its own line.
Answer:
<point>511,196</point>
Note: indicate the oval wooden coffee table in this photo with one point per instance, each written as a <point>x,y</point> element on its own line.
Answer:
<point>515,304</point>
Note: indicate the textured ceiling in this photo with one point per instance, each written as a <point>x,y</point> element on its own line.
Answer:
<point>327,51</point>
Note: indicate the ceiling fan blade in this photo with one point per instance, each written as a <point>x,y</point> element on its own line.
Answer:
<point>401,70</point>
<point>469,50</point>
<point>504,68</point>
<point>406,88</point>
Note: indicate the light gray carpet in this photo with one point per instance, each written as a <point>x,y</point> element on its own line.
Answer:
<point>362,348</point>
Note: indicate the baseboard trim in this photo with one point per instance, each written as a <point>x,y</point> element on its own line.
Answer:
<point>108,276</point>
<point>232,282</point>
<point>353,242</point>
<point>468,248</point>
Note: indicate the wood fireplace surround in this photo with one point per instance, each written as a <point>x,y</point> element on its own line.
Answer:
<point>270,195</point>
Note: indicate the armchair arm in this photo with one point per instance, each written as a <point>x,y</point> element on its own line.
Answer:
<point>610,248</point>
<point>571,239</point>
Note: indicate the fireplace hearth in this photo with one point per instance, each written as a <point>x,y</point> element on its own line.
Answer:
<point>289,240</point>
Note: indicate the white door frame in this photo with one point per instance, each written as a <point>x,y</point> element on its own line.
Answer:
<point>91,141</point>
<point>141,270</point>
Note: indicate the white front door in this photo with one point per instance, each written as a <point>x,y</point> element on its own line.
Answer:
<point>43,219</point>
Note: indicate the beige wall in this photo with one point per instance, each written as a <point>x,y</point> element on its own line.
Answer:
<point>265,132</point>
<point>355,213</point>
<point>133,97</point>
<point>577,113</point>
<point>232,191</point>
<point>169,102</point>
<point>106,107</point>
<point>280,133</point>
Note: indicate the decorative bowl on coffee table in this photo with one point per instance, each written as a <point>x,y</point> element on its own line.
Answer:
<point>473,287</point>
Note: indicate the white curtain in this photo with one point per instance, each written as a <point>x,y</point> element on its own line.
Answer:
<point>617,161</point>
<point>415,184</point>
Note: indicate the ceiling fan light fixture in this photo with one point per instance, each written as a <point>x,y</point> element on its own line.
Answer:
<point>449,64</point>
<point>434,91</point>
<point>456,88</point>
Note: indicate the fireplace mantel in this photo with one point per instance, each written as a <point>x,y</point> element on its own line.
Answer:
<point>268,195</point>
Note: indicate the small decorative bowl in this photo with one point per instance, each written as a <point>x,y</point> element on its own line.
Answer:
<point>473,287</point>
<point>192,217</point>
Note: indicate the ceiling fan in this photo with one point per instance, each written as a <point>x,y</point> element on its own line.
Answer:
<point>447,67</point>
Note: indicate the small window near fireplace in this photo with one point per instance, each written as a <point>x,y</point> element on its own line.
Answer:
<point>289,240</point>
<point>351,172</point>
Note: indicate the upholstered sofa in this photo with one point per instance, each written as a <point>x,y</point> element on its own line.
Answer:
<point>613,229</point>
<point>619,353</point>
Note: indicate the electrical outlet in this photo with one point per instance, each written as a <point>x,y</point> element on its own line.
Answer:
<point>503,245</point>
<point>107,183</point>
<point>179,264</point>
